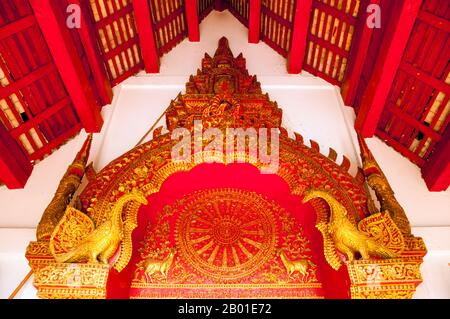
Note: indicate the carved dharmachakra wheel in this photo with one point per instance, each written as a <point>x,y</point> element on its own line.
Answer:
<point>226,234</point>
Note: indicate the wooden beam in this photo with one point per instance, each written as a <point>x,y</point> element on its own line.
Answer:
<point>326,6</point>
<point>436,171</point>
<point>394,44</point>
<point>358,55</point>
<point>15,167</point>
<point>40,118</point>
<point>440,85</point>
<point>16,26</point>
<point>28,79</point>
<point>219,5</point>
<point>412,121</point>
<point>91,48</point>
<point>57,36</point>
<point>254,21</point>
<point>48,148</point>
<point>192,20</point>
<point>147,42</point>
<point>299,34</point>
<point>402,149</point>
<point>435,21</point>
<point>108,20</point>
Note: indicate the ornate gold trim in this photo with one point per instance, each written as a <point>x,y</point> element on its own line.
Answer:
<point>389,278</point>
<point>382,228</point>
<point>126,246</point>
<point>72,281</point>
<point>328,245</point>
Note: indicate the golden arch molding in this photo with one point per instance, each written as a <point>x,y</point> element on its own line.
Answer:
<point>69,262</point>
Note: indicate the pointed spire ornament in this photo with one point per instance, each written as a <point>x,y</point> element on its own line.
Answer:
<point>376,179</point>
<point>63,195</point>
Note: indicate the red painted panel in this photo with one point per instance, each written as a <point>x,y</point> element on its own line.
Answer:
<point>147,39</point>
<point>436,171</point>
<point>300,31</point>
<point>254,21</point>
<point>15,167</point>
<point>38,108</point>
<point>52,24</point>
<point>416,114</point>
<point>387,64</point>
<point>192,20</point>
<point>84,39</point>
<point>373,51</point>
<point>358,54</point>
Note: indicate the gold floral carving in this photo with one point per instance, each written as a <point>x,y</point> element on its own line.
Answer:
<point>38,255</point>
<point>70,231</point>
<point>160,167</point>
<point>415,245</point>
<point>38,248</point>
<point>382,229</point>
<point>384,292</point>
<point>72,281</point>
<point>392,278</point>
<point>55,210</point>
<point>228,291</point>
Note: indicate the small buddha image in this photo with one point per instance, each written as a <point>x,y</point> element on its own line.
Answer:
<point>224,84</point>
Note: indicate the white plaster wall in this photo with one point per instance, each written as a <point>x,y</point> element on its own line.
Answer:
<point>311,107</point>
<point>13,264</point>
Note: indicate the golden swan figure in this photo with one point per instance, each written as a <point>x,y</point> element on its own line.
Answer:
<point>345,236</point>
<point>101,244</point>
